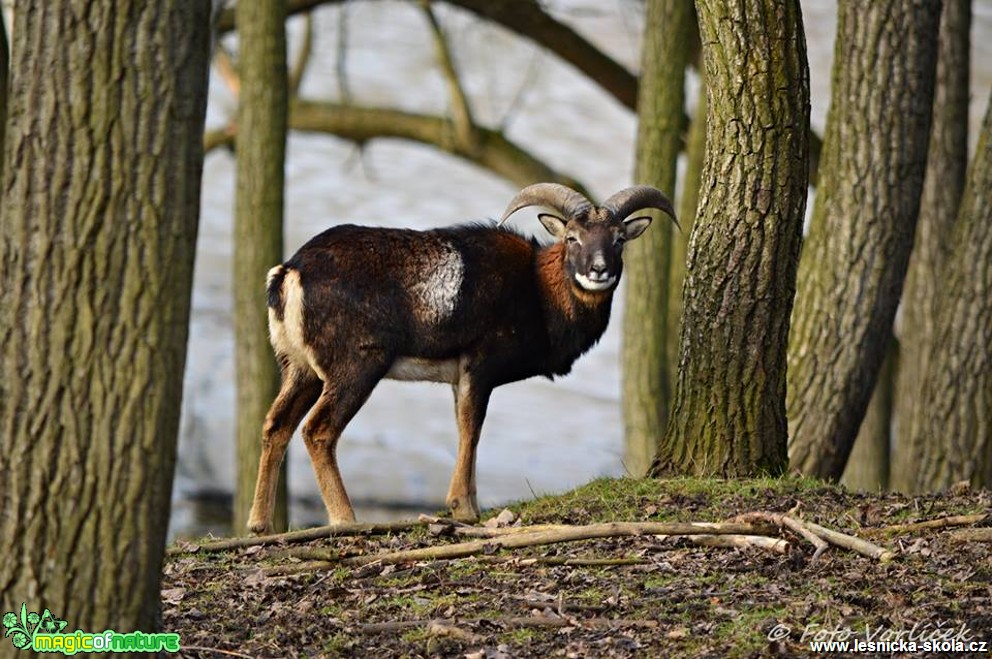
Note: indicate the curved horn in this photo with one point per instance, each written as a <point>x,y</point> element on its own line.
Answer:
<point>637,197</point>
<point>562,198</point>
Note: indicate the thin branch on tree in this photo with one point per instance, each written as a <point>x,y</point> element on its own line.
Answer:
<point>213,139</point>
<point>361,124</point>
<point>303,57</point>
<point>529,20</point>
<point>304,535</point>
<point>227,20</point>
<point>461,111</point>
<point>341,56</point>
<point>526,84</point>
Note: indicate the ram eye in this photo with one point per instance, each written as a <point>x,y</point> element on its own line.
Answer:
<point>619,241</point>
<point>571,239</point>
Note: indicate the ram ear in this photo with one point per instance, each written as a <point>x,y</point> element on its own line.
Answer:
<point>635,226</point>
<point>554,224</point>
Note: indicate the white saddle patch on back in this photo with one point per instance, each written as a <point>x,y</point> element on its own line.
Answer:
<point>436,294</point>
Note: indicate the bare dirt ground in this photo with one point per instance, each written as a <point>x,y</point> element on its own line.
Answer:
<point>664,597</point>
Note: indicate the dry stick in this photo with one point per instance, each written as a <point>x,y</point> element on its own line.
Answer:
<point>438,628</point>
<point>850,542</point>
<point>796,526</point>
<point>546,537</point>
<point>941,523</point>
<point>972,535</point>
<point>647,528</point>
<point>791,523</point>
<point>776,545</point>
<point>563,560</point>
<point>304,535</point>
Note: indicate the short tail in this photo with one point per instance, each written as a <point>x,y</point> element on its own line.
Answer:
<point>273,283</point>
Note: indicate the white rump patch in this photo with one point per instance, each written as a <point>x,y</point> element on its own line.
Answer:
<point>286,335</point>
<point>436,294</point>
<point>415,369</point>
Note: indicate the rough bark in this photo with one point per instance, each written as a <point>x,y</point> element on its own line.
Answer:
<point>728,417</point>
<point>4,78</point>
<point>947,163</point>
<point>952,430</point>
<point>645,357</point>
<point>97,230</point>
<point>869,465</point>
<point>695,151</point>
<point>857,251</point>
<point>258,241</point>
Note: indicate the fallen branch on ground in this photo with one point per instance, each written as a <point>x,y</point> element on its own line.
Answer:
<point>521,539</point>
<point>785,521</point>
<point>809,529</point>
<point>940,523</point>
<point>304,535</point>
<point>850,542</point>
<point>776,545</point>
<point>972,535</point>
<point>563,560</point>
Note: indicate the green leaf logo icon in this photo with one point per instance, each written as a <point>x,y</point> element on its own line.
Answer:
<point>22,628</point>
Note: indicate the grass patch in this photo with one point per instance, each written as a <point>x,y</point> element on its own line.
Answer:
<point>679,600</point>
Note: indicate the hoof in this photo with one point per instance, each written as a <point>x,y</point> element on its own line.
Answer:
<point>256,527</point>
<point>464,509</point>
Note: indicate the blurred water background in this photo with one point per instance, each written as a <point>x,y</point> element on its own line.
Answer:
<point>397,454</point>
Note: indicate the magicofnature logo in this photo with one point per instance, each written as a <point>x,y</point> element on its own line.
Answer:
<point>44,633</point>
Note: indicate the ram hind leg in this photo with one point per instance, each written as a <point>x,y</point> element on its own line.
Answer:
<point>300,389</point>
<point>471,403</point>
<point>344,393</point>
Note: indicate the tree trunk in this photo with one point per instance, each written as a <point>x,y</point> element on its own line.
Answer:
<point>868,467</point>
<point>695,150</point>
<point>729,413</point>
<point>4,78</point>
<point>97,230</point>
<point>646,390</point>
<point>952,430</point>
<point>855,258</point>
<point>258,241</point>
<point>947,163</point>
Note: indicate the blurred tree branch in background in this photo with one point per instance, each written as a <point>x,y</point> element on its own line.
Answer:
<point>529,20</point>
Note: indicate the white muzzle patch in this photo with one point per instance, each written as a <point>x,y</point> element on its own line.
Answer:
<point>590,284</point>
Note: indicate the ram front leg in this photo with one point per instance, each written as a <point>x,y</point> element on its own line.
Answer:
<point>471,402</point>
